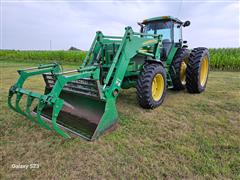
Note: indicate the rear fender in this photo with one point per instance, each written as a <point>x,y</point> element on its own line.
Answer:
<point>154,61</point>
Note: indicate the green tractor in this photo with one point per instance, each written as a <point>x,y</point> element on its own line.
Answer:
<point>83,101</point>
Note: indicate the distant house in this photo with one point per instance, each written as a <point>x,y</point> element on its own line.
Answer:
<point>74,49</point>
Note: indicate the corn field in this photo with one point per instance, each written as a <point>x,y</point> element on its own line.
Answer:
<point>225,58</point>
<point>222,59</point>
<point>63,57</point>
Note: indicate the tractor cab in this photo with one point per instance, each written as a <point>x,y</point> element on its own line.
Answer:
<point>169,27</point>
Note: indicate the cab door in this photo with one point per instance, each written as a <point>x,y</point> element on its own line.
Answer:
<point>177,34</point>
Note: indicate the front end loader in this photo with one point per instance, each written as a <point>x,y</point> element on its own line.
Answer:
<point>83,101</point>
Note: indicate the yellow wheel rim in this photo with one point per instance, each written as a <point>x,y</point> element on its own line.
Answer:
<point>183,69</point>
<point>157,87</point>
<point>204,71</point>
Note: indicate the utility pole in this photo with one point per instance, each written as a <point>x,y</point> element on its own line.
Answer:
<point>50,44</point>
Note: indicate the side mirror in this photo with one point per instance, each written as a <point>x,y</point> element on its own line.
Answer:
<point>184,42</point>
<point>186,23</point>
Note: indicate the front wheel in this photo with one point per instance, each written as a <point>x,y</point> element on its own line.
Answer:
<point>151,86</point>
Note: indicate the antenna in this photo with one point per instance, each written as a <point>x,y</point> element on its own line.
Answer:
<point>50,44</point>
<point>180,9</point>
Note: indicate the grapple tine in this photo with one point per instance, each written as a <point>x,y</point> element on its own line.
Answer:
<point>28,105</point>
<point>56,110</point>
<point>18,99</point>
<point>40,107</point>
<point>10,95</point>
<point>17,108</point>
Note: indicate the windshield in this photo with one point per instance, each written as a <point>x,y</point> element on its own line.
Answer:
<point>163,28</point>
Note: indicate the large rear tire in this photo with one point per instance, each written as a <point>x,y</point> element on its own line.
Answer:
<point>179,67</point>
<point>151,86</point>
<point>197,70</point>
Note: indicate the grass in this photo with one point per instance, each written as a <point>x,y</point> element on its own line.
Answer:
<point>188,137</point>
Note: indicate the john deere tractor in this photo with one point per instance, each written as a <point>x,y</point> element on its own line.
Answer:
<point>83,101</point>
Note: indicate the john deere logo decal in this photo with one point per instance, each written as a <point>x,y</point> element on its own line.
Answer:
<point>150,42</point>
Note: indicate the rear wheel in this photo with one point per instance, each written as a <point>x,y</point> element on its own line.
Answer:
<point>197,70</point>
<point>151,86</point>
<point>179,67</point>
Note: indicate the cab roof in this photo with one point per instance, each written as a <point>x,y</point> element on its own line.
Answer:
<point>159,18</point>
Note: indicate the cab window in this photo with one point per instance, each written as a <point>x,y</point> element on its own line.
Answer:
<point>162,27</point>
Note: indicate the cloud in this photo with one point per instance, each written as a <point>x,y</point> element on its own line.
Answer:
<point>31,25</point>
<point>214,25</point>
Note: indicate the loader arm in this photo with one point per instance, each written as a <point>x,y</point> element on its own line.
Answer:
<point>131,45</point>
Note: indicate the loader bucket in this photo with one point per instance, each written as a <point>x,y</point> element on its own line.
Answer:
<point>71,103</point>
<point>82,115</point>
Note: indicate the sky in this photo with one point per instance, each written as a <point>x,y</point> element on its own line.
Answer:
<point>32,24</point>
